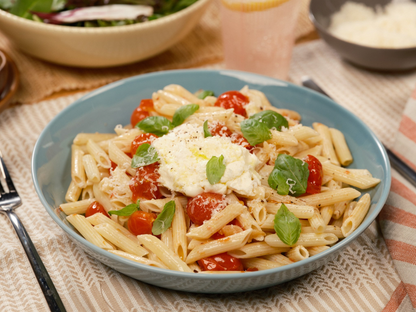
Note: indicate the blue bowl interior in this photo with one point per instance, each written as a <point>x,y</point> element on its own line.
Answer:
<point>103,109</point>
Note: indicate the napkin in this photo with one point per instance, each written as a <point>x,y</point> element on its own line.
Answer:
<point>398,217</point>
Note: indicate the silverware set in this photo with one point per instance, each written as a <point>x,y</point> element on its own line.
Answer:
<point>10,200</point>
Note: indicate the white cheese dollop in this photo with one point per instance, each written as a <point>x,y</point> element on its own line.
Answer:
<point>184,154</point>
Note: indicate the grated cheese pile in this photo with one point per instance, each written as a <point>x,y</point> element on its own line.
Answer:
<point>393,26</point>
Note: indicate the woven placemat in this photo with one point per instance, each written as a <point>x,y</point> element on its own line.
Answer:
<point>202,46</point>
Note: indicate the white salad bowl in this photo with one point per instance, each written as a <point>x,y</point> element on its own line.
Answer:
<point>101,46</point>
<point>103,109</point>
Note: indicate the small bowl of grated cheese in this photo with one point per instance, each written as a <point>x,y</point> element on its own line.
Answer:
<point>375,34</point>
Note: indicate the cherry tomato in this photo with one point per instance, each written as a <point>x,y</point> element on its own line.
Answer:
<point>144,184</point>
<point>95,207</point>
<point>142,111</point>
<point>235,100</point>
<point>220,129</point>
<point>113,166</point>
<point>141,222</point>
<point>201,207</point>
<point>315,175</point>
<point>221,262</point>
<point>141,139</point>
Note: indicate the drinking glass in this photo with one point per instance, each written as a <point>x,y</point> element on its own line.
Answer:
<point>258,36</point>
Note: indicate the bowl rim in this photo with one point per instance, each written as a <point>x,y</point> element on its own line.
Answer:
<point>233,73</point>
<point>104,30</point>
<point>327,33</point>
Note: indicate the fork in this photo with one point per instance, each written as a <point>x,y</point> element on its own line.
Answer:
<point>9,200</point>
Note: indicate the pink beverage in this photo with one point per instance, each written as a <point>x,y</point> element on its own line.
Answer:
<point>259,41</point>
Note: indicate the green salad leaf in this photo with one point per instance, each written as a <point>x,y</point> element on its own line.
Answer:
<point>271,119</point>
<point>126,211</point>
<point>164,219</point>
<point>289,176</point>
<point>255,132</point>
<point>183,112</point>
<point>207,133</point>
<point>287,226</point>
<point>158,125</point>
<point>23,8</point>
<point>215,169</point>
<point>145,155</point>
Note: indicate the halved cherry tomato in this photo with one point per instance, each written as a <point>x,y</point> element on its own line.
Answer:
<point>141,222</point>
<point>141,139</point>
<point>221,262</point>
<point>220,129</point>
<point>315,174</point>
<point>201,207</point>
<point>95,207</point>
<point>142,111</point>
<point>235,100</point>
<point>144,184</point>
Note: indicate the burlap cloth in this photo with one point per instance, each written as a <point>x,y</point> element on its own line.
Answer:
<point>202,46</point>
<point>365,277</point>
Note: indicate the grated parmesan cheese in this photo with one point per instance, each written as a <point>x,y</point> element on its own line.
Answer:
<point>393,26</point>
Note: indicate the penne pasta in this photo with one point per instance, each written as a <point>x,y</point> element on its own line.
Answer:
<point>305,239</point>
<point>219,246</point>
<point>114,235</point>
<point>167,256</point>
<point>227,182</point>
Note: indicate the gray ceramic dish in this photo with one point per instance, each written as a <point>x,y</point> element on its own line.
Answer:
<point>371,58</point>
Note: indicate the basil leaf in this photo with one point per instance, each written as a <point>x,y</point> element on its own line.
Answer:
<point>157,125</point>
<point>164,219</point>
<point>271,119</point>
<point>206,130</point>
<point>126,211</point>
<point>255,132</point>
<point>215,169</point>
<point>287,226</point>
<point>289,176</point>
<point>183,112</point>
<point>145,155</point>
<point>204,93</point>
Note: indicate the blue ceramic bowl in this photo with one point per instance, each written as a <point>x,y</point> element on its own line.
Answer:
<point>101,110</point>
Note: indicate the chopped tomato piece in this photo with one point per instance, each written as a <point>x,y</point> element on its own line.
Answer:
<point>221,262</point>
<point>141,222</point>
<point>220,129</point>
<point>201,207</point>
<point>141,139</point>
<point>234,100</point>
<point>315,175</point>
<point>144,184</point>
<point>95,207</point>
<point>142,111</point>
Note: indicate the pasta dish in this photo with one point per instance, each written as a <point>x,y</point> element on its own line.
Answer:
<point>206,184</point>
